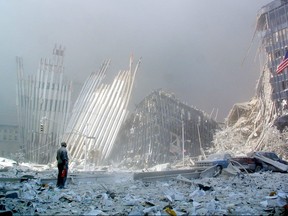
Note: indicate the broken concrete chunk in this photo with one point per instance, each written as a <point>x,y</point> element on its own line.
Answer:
<point>151,210</point>
<point>12,195</point>
<point>197,193</point>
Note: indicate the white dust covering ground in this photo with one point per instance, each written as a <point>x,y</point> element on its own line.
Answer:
<point>118,194</point>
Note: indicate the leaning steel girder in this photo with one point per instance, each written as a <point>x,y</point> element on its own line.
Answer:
<point>99,113</point>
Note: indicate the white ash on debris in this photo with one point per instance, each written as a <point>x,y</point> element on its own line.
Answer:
<point>263,193</point>
<point>249,126</point>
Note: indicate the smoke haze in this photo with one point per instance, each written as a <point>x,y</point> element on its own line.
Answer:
<point>194,49</point>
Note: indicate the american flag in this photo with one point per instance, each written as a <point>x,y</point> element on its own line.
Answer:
<point>283,64</point>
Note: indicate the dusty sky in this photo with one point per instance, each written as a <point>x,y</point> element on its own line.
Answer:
<point>194,49</point>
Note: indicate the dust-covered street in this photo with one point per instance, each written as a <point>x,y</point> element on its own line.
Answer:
<point>114,192</point>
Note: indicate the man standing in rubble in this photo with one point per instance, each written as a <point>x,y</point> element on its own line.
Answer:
<point>62,162</point>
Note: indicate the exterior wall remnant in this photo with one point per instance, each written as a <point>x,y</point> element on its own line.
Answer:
<point>43,105</point>
<point>161,127</point>
<point>98,114</point>
<point>272,24</point>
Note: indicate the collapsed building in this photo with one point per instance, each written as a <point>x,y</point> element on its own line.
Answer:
<point>48,116</point>
<point>93,135</point>
<point>163,129</point>
<point>249,125</point>
<point>43,104</point>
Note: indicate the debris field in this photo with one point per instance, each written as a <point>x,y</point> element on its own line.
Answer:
<point>115,192</point>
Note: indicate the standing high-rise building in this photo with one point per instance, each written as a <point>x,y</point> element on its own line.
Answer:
<point>272,24</point>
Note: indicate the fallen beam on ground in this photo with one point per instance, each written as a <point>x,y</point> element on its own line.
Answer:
<point>21,179</point>
<point>54,180</point>
<point>80,177</point>
<point>164,175</point>
<point>10,179</point>
<point>83,177</point>
<point>278,165</point>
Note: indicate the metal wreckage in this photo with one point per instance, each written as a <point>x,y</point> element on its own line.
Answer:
<point>160,130</point>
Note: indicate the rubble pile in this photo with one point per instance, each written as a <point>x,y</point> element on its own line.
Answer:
<point>263,193</point>
<point>249,126</point>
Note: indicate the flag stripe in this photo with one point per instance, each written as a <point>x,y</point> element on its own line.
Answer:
<point>283,64</point>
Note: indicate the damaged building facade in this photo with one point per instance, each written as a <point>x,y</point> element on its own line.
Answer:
<point>250,124</point>
<point>163,129</point>
<point>98,114</point>
<point>48,115</point>
<point>43,104</point>
<point>272,24</point>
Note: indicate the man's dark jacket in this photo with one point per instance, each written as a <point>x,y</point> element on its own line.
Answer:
<point>62,156</point>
